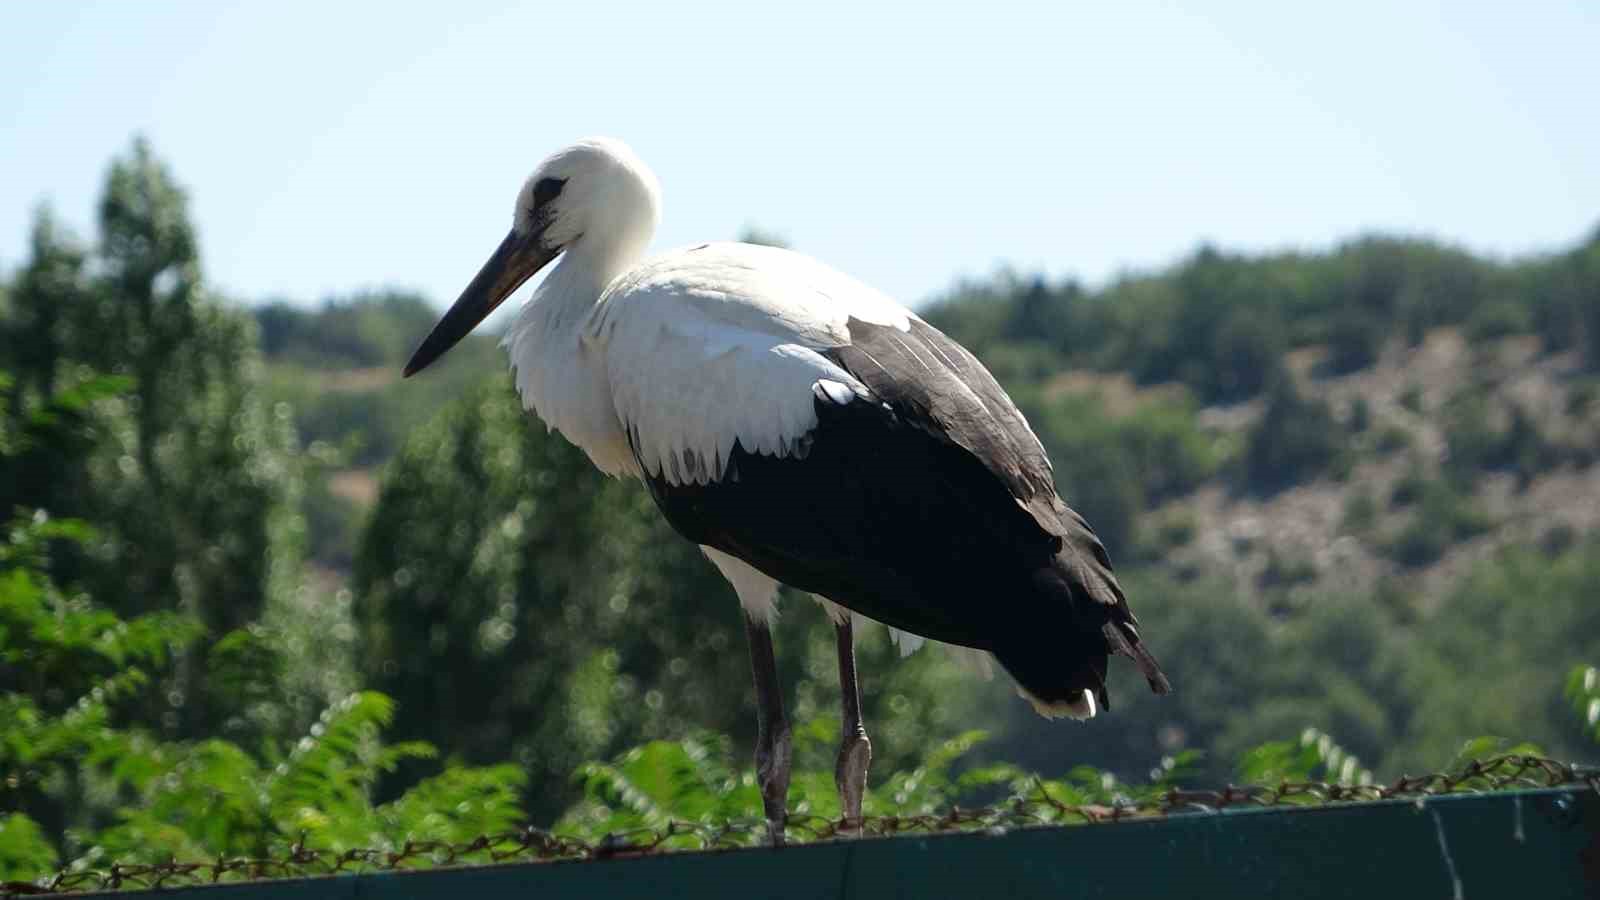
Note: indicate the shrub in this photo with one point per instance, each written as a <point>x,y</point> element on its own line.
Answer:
<point>1297,439</point>
<point>1284,570</point>
<point>1177,530</point>
<point>1360,418</point>
<point>1113,468</point>
<point>1493,655</point>
<point>1476,444</point>
<point>1360,511</point>
<point>1393,438</point>
<point>1354,342</point>
<point>1247,352</point>
<point>1409,488</point>
<point>1444,517</point>
<point>79,780</point>
<point>1581,399</point>
<point>1499,319</point>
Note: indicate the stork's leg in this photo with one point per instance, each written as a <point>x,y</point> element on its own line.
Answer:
<point>855,751</point>
<point>772,730</point>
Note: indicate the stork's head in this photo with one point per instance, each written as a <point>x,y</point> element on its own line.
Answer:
<point>594,200</point>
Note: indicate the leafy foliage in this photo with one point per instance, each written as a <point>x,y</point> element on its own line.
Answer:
<point>693,781</point>
<point>1315,756</point>
<point>1515,623</point>
<point>89,788</point>
<point>44,438</point>
<point>1583,692</point>
<point>25,853</point>
<point>213,798</point>
<point>696,781</point>
<point>66,665</point>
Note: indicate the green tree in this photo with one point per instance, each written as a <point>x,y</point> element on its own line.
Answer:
<point>500,599</point>
<point>1354,342</point>
<point>1297,439</point>
<point>1517,624</point>
<point>42,295</point>
<point>1582,286</point>
<point>199,454</point>
<point>79,784</point>
<point>193,479</point>
<point>64,662</point>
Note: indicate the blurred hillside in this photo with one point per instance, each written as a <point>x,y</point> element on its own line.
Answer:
<point>337,365</point>
<point>1352,490</point>
<point>1370,419</point>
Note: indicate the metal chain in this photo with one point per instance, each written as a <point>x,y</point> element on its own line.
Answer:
<point>1037,807</point>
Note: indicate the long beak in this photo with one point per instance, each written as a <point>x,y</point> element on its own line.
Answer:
<point>515,261</point>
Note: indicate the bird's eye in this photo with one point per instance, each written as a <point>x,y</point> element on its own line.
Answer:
<point>546,190</point>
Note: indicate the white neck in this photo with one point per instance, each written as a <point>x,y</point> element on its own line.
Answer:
<point>565,386</point>
<point>581,275</point>
<point>567,293</point>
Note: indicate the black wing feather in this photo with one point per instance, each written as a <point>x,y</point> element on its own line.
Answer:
<point>928,504</point>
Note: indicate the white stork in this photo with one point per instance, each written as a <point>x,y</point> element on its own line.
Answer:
<point>803,429</point>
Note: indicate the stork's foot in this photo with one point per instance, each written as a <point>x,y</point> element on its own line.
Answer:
<point>773,756</point>
<point>850,774</point>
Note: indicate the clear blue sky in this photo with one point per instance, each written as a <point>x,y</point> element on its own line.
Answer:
<point>332,146</point>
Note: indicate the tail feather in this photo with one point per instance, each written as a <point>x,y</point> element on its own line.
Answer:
<point>1080,616</point>
<point>1036,665</point>
<point>1124,638</point>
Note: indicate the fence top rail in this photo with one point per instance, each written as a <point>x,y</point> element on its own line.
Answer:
<point>1512,781</point>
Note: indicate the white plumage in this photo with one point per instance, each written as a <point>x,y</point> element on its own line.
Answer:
<point>716,344</point>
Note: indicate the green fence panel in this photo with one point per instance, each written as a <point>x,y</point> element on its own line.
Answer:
<point>1523,844</point>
